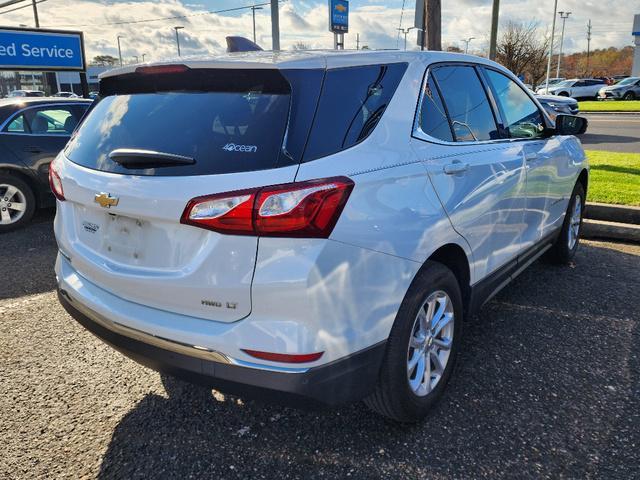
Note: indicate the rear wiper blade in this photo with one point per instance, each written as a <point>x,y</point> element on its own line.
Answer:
<point>138,158</point>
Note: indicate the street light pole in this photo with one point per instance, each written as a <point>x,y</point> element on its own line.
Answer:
<point>467,42</point>
<point>253,12</point>
<point>178,38</point>
<point>136,57</point>
<point>405,32</point>
<point>563,16</point>
<point>119,49</point>
<point>275,26</point>
<point>553,32</point>
<point>143,55</point>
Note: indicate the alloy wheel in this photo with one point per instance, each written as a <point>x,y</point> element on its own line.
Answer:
<point>430,343</point>
<point>574,222</point>
<point>13,204</point>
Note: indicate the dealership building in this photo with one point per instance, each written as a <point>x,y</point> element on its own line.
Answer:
<point>49,82</point>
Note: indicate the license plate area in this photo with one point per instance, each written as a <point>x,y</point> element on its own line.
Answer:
<point>123,238</point>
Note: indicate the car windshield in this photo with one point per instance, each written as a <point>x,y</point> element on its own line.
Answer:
<point>628,81</point>
<point>565,83</point>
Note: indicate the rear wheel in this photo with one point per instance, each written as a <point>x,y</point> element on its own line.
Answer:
<point>629,96</point>
<point>17,202</point>
<point>422,347</point>
<point>563,94</point>
<point>566,245</point>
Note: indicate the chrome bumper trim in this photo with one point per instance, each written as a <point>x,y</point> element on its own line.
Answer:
<point>195,351</point>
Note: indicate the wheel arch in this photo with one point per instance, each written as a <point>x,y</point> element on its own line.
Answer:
<point>454,257</point>
<point>583,179</point>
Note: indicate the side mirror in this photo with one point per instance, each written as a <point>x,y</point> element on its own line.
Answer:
<point>570,125</point>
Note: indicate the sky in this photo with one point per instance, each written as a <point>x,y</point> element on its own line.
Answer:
<point>306,21</point>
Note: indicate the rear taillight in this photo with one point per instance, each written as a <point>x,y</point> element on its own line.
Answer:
<point>55,183</point>
<point>306,209</point>
<point>162,69</point>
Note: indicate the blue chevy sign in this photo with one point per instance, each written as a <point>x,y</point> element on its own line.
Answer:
<point>25,49</point>
<point>338,16</point>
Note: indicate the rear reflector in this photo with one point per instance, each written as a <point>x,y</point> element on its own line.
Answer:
<point>55,182</point>
<point>284,357</point>
<point>160,69</point>
<point>305,209</point>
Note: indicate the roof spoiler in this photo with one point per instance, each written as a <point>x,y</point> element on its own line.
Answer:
<point>241,44</point>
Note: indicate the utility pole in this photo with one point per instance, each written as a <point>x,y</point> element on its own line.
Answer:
<point>178,38</point>
<point>495,14</point>
<point>35,13</point>
<point>467,41</point>
<point>253,12</point>
<point>275,26</point>
<point>553,33</point>
<point>433,27</point>
<point>357,41</point>
<point>588,46</point>
<point>563,16</point>
<point>405,31</point>
<point>119,49</point>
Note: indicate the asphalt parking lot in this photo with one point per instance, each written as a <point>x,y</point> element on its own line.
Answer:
<point>548,386</point>
<point>615,133</point>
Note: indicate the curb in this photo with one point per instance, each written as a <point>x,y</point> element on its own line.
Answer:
<point>612,213</point>
<point>608,112</point>
<point>610,230</point>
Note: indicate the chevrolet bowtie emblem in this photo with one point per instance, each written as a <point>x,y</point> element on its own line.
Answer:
<point>105,200</point>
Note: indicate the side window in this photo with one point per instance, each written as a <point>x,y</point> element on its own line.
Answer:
<point>522,118</point>
<point>58,120</point>
<point>433,117</point>
<point>351,104</point>
<point>467,103</point>
<point>580,83</point>
<point>17,125</point>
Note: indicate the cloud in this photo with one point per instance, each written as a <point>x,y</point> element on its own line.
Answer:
<point>306,20</point>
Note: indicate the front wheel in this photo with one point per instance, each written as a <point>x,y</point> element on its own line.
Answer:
<point>17,202</point>
<point>422,347</point>
<point>565,247</point>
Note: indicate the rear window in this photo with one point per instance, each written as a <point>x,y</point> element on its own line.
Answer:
<point>225,121</point>
<point>351,104</point>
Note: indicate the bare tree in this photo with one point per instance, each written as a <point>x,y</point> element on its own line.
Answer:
<point>301,46</point>
<point>523,50</point>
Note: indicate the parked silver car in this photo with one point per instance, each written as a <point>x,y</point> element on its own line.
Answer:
<point>626,89</point>
<point>556,105</point>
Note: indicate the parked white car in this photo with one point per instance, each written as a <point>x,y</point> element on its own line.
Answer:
<point>576,88</point>
<point>310,226</point>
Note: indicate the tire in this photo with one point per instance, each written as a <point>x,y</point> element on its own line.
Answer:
<point>566,246</point>
<point>401,393</point>
<point>629,96</point>
<point>13,192</point>
<point>563,94</point>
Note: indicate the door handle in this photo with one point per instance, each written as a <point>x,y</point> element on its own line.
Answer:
<point>529,156</point>
<point>33,149</point>
<point>455,168</point>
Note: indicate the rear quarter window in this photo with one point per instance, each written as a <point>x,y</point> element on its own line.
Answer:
<point>351,104</point>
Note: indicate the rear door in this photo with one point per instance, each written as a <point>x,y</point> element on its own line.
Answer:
<point>478,176</point>
<point>151,144</point>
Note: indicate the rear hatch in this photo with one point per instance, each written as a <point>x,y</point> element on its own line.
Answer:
<point>157,138</point>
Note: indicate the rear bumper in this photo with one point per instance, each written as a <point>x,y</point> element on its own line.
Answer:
<point>345,380</point>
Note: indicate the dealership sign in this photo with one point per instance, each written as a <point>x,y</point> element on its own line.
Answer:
<point>338,16</point>
<point>39,49</point>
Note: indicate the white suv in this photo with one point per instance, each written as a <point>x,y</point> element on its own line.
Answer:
<point>309,226</point>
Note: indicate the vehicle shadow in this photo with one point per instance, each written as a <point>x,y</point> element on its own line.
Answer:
<point>28,257</point>
<point>547,384</point>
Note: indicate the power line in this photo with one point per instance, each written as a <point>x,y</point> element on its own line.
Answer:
<point>19,8</point>
<point>175,17</point>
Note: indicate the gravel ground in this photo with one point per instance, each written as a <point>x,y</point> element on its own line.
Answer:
<point>547,386</point>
